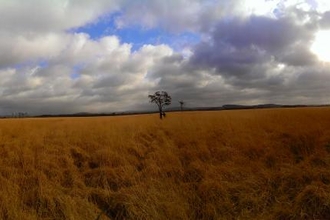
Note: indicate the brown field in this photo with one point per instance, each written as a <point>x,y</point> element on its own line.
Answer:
<point>244,164</point>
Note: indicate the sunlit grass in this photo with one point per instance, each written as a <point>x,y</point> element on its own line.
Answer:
<point>246,164</point>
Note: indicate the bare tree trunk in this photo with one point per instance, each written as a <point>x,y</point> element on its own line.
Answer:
<point>160,113</point>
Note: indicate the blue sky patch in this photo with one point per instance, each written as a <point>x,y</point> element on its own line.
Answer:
<point>41,63</point>
<point>137,35</point>
<point>75,73</point>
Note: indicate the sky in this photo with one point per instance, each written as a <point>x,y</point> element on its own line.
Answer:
<point>69,56</point>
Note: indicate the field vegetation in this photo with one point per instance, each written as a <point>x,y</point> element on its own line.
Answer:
<point>242,164</point>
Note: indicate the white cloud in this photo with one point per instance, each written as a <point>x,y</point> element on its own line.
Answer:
<point>96,75</point>
<point>49,15</point>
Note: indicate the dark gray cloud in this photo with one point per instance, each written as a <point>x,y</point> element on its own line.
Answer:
<point>270,58</point>
<point>237,45</point>
<point>325,21</point>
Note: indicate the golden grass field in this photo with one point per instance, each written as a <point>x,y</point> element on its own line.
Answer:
<point>242,164</point>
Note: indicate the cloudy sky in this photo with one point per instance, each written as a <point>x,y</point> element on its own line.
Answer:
<point>67,56</point>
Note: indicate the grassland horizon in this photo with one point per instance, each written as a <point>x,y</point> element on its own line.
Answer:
<point>242,164</point>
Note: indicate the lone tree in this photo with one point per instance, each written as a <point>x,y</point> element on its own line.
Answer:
<point>181,104</point>
<point>160,98</point>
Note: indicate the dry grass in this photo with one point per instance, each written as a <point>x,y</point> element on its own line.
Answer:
<point>244,164</point>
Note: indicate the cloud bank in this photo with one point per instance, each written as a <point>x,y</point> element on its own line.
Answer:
<point>248,53</point>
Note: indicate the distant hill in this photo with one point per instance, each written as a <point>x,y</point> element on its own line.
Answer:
<point>174,109</point>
